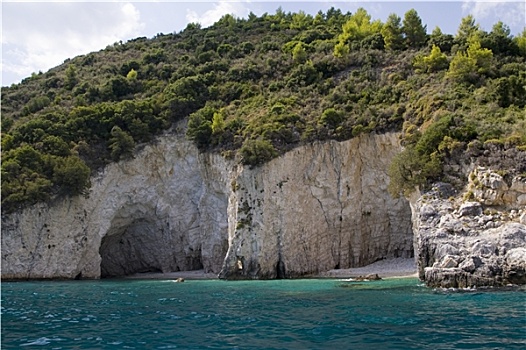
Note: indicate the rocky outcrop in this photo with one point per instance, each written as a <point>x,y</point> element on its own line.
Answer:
<point>171,208</point>
<point>477,238</point>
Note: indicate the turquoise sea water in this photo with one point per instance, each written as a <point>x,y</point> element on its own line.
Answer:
<point>281,314</point>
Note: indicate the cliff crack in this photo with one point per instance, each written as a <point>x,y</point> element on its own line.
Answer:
<point>321,207</point>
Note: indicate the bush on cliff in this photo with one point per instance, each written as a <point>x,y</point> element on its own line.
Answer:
<point>260,86</point>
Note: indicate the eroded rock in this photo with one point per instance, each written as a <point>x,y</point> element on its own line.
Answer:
<point>468,247</point>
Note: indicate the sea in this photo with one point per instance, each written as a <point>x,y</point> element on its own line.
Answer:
<point>277,314</point>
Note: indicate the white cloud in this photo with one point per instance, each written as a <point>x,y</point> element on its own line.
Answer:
<point>513,13</point>
<point>39,36</point>
<point>221,8</point>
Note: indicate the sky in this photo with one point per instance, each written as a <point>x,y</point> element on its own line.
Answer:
<point>39,35</point>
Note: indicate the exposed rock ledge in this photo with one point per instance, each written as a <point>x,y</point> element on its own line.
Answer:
<point>477,240</point>
<point>319,207</point>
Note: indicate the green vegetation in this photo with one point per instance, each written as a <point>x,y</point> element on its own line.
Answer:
<point>254,88</point>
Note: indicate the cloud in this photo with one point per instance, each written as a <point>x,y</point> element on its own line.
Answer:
<point>513,13</point>
<point>221,8</point>
<point>39,36</point>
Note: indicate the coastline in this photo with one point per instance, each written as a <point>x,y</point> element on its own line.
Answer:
<point>388,268</point>
<point>187,275</point>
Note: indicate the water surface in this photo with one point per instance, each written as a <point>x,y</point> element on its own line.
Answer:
<point>280,314</point>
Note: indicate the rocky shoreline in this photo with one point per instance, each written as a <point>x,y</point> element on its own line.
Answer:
<point>473,239</point>
<point>388,268</point>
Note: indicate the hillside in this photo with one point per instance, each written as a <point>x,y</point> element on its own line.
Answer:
<point>254,88</point>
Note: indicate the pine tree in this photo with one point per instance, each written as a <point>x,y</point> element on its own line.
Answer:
<point>299,55</point>
<point>415,33</point>
<point>357,28</point>
<point>392,32</point>
<point>520,40</point>
<point>466,29</point>
<point>436,60</point>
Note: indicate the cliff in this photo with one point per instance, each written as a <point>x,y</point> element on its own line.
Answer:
<point>319,207</point>
<point>474,238</point>
<point>171,208</point>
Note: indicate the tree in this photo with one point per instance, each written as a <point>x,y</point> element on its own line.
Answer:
<point>28,157</point>
<point>331,118</point>
<point>116,88</point>
<point>301,20</point>
<point>466,29</point>
<point>499,40</point>
<point>520,40</point>
<point>71,174</point>
<point>463,68</point>
<point>121,144</point>
<point>434,62</point>
<point>443,41</point>
<point>256,152</point>
<point>218,123</point>
<point>482,56</point>
<point>200,126</point>
<point>433,135</point>
<point>405,173</point>
<point>340,50</point>
<point>299,55</point>
<point>55,145</point>
<point>510,90</point>
<point>357,28</point>
<point>132,74</point>
<point>187,95</point>
<point>392,32</point>
<point>71,77</point>
<point>415,33</point>
<point>467,66</point>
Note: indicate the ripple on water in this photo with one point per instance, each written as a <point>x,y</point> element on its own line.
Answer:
<point>309,314</point>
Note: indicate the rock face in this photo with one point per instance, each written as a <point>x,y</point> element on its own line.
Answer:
<point>162,211</point>
<point>476,241</point>
<point>171,208</point>
<point>317,208</point>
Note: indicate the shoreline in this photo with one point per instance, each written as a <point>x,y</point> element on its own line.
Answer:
<point>388,268</point>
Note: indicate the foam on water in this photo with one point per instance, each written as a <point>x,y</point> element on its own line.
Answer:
<point>283,314</point>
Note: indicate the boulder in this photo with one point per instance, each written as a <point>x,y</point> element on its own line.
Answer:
<point>466,248</point>
<point>470,209</point>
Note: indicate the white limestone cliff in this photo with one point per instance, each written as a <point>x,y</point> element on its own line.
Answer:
<point>317,208</point>
<point>172,208</point>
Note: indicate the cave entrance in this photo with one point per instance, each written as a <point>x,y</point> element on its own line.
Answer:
<point>142,246</point>
<point>126,250</point>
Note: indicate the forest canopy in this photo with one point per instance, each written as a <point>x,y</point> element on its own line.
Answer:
<point>253,88</point>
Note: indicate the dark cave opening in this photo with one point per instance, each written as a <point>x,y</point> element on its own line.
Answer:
<point>145,245</point>
<point>128,250</point>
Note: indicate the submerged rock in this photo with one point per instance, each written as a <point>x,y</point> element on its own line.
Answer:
<point>370,277</point>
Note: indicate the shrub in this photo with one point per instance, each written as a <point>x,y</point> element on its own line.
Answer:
<point>331,118</point>
<point>121,144</point>
<point>200,127</point>
<point>256,152</point>
<point>433,135</point>
<point>71,174</point>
